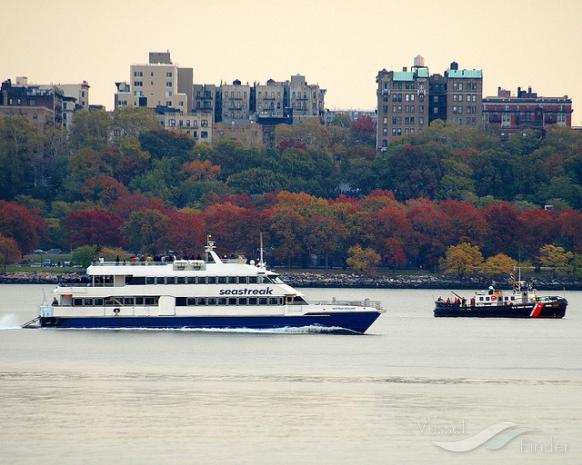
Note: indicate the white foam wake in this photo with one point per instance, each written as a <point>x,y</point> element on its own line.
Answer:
<point>9,321</point>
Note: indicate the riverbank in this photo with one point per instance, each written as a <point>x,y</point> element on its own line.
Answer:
<point>339,279</point>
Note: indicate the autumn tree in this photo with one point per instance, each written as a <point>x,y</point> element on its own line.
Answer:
<point>103,189</point>
<point>363,259</point>
<point>461,259</point>
<point>498,265</point>
<point>145,229</point>
<point>95,226</point>
<point>23,224</point>
<point>9,252</point>
<point>555,257</point>
<point>186,234</point>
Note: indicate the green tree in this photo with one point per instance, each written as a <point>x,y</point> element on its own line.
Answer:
<point>462,259</point>
<point>132,121</point>
<point>91,130</point>
<point>363,259</point>
<point>144,229</point>
<point>498,265</point>
<point>9,251</point>
<point>84,255</point>
<point>112,253</point>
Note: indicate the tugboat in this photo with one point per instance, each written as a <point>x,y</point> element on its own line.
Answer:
<point>214,292</point>
<point>521,302</point>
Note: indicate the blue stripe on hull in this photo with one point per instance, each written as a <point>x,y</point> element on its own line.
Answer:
<point>357,321</point>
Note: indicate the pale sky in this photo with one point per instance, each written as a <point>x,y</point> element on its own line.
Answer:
<point>339,44</point>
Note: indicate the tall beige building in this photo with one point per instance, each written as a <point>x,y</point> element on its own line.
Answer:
<point>402,102</point>
<point>270,99</point>
<point>306,100</point>
<point>159,83</point>
<point>235,101</point>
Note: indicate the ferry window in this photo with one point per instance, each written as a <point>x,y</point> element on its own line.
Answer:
<point>88,302</point>
<point>221,280</point>
<point>262,301</point>
<point>232,280</point>
<point>139,300</point>
<point>211,301</point>
<point>160,281</point>
<point>98,301</point>
<point>231,301</point>
<point>274,301</point>
<point>260,279</point>
<point>180,301</point>
<point>151,301</point>
<point>191,280</point>
<point>222,301</point>
<point>243,280</point>
<point>135,280</point>
<point>128,301</point>
<point>253,301</point>
<point>181,280</point>
<point>253,280</point>
<point>201,301</point>
<point>171,280</point>
<point>212,280</point>
<point>112,301</point>
<point>150,280</point>
<point>78,302</point>
<point>242,301</point>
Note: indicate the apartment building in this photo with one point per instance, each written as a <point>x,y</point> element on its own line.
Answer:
<point>196,125</point>
<point>41,105</point>
<point>271,100</point>
<point>402,102</point>
<point>306,100</point>
<point>157,83</point>
<point>509,114</point>
<point>235,101</point>
<point>464,96</point>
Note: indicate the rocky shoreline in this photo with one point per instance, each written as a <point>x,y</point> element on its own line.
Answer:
<point>335,279</point>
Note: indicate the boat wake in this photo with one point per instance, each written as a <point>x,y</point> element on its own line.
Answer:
<point>9,321</point>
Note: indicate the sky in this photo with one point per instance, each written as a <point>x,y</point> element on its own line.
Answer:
<point>338,44</point>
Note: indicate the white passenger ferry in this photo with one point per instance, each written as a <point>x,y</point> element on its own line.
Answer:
<point>205,293</point>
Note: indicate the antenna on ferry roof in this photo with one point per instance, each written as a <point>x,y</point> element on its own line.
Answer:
<point>261,261</point>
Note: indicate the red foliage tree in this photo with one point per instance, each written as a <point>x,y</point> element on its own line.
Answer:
<point>23,224</point>
<point>468,224</point>
<point>94,226</point>
<point>127,204</point>
<point>185,234</point>
<point>504,223</point>
<point>570,223</point>
<point>539,227</point>
<point>235,229</point>
<point>364,129</point>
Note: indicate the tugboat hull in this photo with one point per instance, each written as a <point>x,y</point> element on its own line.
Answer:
<point>553,309</point>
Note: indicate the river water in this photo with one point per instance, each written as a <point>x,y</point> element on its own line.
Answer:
<point>388,397</point>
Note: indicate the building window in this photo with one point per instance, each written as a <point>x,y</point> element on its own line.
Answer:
<point>169,84</point>
<point>204,123</point>
<point>169,74</point>
<point>204,134</point>
<point>138,84</point>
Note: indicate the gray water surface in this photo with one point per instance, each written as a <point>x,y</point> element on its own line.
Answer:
<point>196,397</point>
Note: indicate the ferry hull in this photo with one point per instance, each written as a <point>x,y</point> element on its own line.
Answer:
<point>357,322</point>
<point>555,309</point>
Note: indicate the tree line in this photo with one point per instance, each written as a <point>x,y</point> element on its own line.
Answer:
<point>322,195</point>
